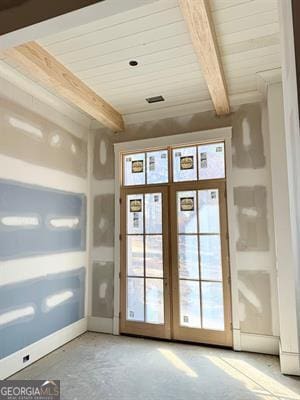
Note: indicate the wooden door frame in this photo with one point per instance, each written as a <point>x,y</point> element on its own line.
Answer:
<point>197,334</point>
<point>143,328</point>
<point>198,137</point>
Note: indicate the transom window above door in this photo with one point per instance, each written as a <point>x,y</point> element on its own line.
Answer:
<point>175,164</point>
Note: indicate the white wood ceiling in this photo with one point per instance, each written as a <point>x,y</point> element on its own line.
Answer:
<point>156,36</point>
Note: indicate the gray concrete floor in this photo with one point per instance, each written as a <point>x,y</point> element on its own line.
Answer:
<point>98,366</point>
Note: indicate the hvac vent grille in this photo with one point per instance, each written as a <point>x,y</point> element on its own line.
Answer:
<point>155,99</point>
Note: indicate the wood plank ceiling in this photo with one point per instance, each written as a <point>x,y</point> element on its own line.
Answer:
<point>157,36</point>
<point>50,72</point>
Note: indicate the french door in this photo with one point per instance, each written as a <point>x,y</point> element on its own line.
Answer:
<point>145,279</point>
<point>200,264</point>
<point>174,262</point>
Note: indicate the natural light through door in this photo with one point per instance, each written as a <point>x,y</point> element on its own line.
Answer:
<point>175,260</point>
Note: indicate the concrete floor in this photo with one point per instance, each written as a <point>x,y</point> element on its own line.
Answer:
<point>98,366</point>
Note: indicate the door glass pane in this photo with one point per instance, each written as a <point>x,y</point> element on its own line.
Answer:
<point>154,301</point>
<point>210,256</point>
<point>187,212</point>
<point>135,299</point>
<point>157,166</point>
<point>135,212</point>
<point>185,164</point>
<point>189,304</point>
<point>209,218</point>
<point>211,161</point>
<point>153,212</point>
<point>154,256</point>
<point>135,255</point>
<point>188,256</point>
<point>144,256</point>
<point>134,169</point>
<point>212,305</point>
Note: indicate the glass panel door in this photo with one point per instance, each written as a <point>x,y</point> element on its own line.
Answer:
<point>177,288</point>
<point>145,299</point>
<point>200,273</point>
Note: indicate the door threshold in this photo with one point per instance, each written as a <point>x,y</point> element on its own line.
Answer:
<point>131,335</point>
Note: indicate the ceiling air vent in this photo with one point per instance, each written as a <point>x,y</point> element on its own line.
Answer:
<point>155,99</point>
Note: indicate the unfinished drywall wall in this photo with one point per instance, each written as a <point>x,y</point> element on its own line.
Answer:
<point>254,237</point>
<point>43,186</point>
<point>31,138</point>
<point>255,305</point>
<point>251,204</point>
<point>35,308</point>
<point>103,155</point>
<point>103,227</point>
<point>36,221</point>
<point>103,234</point>
<point>103,289</point>
<point>248,137</point>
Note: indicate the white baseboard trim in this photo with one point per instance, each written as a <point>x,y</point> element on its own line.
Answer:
<point>289,362</point>
<point>236,335</point>
<point>101,325</point>
<point>259,343</point>
<point>14,362</point>
<point>116,326</point>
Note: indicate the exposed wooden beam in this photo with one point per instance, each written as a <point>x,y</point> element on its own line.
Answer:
<point>49,71</point>
<point>198,18</point>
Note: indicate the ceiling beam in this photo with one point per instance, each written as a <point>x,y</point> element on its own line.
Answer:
<point>47,70</point>
<point>198,18</point>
